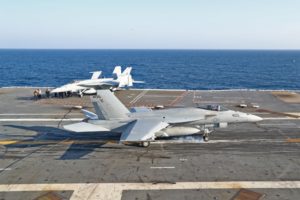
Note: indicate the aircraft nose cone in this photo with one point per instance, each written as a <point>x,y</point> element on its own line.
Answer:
<point>254,118</point>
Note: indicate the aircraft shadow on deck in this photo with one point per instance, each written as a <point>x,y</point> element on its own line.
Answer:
<point>80,144</point>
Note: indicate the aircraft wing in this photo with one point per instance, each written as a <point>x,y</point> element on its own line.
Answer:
<point>84,127</point>
<point>72,87</point>
<point>100,84</point>
<point>142,130</point>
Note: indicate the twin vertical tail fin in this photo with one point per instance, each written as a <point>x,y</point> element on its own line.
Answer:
<point>117,72</point>
<point>108,107</point>
<point>125,79</point>
<point>96,75</point>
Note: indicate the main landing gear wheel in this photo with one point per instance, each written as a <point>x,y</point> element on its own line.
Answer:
<point>145,144</point>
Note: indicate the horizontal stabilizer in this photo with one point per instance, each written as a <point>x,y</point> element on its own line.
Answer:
<point>140,109</point>
<point>138,81</point>
<point>84,127</point>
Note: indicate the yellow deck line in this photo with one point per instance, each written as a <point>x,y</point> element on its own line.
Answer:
<point>7,142</point>
<point>293,140</point>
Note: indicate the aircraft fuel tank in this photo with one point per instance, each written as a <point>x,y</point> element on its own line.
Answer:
<point>177,131</point>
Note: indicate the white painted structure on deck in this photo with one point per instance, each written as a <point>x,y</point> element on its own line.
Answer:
<point>113,191</point>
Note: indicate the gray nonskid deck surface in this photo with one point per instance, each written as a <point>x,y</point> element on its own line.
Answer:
<point>39,152</point>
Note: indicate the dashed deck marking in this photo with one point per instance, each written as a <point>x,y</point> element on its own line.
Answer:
<point>166,167</point>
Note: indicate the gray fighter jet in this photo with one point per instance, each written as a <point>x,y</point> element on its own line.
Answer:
<point>144,125</point>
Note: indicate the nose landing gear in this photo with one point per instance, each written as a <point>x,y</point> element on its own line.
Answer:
<point>206,133</point>
<point>205,138</point>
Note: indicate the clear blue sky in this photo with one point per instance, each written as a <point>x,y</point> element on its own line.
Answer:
<point>158,24</point>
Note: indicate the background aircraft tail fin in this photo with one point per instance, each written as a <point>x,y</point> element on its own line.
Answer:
<point>117,72</point>
<point>107,106</point>
<point>125,79</point>
<point>96,74</point>
<point>127,71</point>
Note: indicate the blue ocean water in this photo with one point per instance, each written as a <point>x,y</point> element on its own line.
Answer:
<point>169,69</point>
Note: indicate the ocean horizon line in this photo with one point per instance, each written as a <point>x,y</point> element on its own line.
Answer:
<point>159,49</point>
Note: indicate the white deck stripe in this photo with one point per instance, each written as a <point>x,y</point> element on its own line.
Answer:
<point>287,124</point>
<point>39,120</point>
<point>167,167</point>
<point>259,113</point>
<point>79,119</point>
<point>181,141</point>
<point>250,140</point>
<point>108,191</point>
<point>5,169</point>
<point>280,118</point>
<point>138,97</point>
<point>217,141</point>
<point>38,114</point>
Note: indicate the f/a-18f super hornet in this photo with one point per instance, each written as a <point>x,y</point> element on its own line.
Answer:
<point>145,125</point>
<point>89,86</point>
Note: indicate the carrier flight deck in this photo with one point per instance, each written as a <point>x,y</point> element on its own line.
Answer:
<point>40,160</point>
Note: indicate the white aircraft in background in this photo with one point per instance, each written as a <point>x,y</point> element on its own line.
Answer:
<point>145,125</point>
<point>120,79</point>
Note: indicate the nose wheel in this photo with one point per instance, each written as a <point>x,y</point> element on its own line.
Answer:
<point>206,133</point>
<point>205,138</point>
